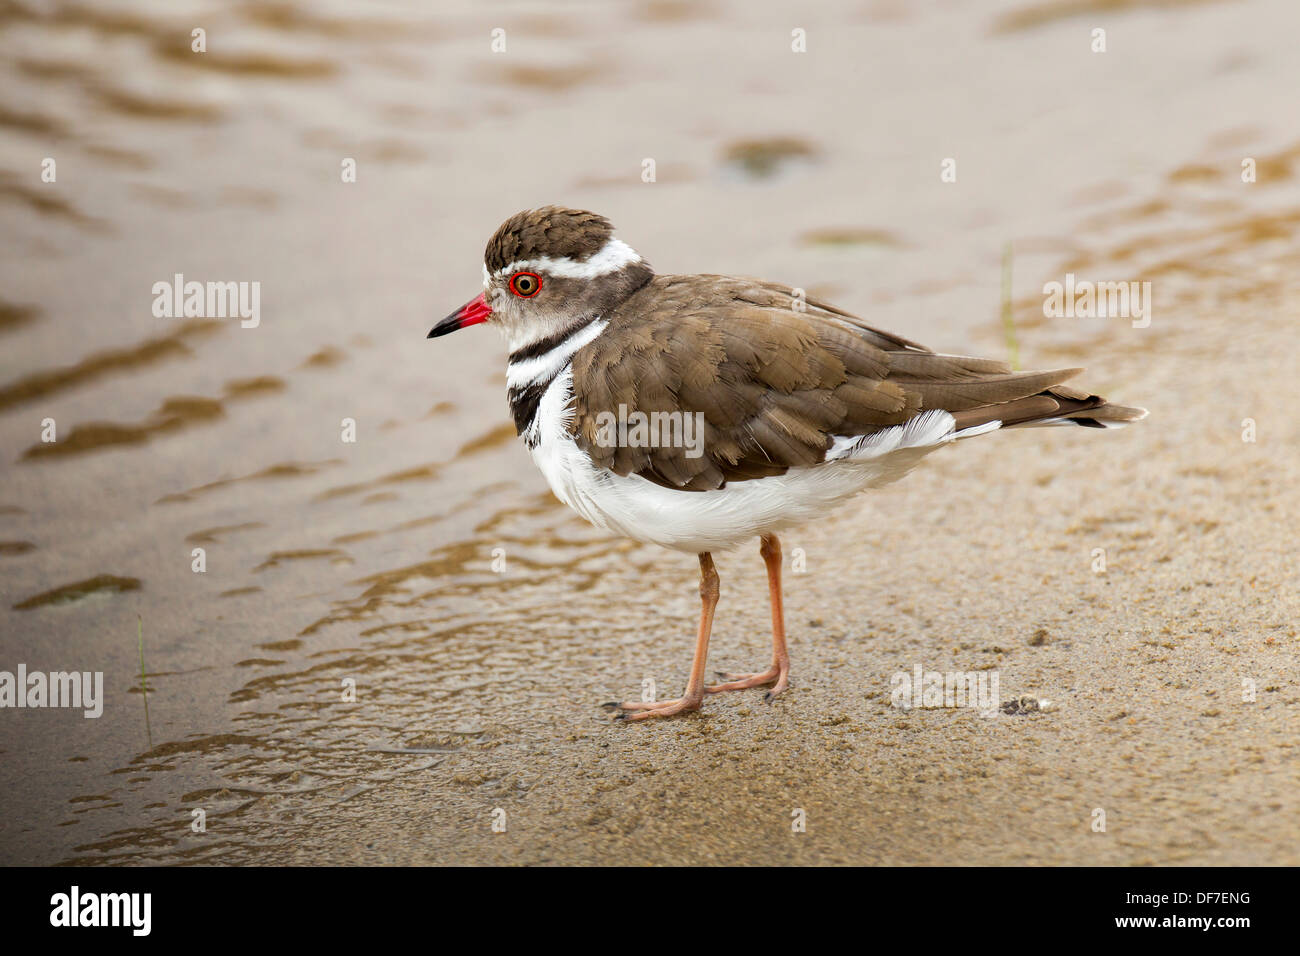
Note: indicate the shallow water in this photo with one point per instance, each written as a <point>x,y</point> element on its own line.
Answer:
<point>329,561</point>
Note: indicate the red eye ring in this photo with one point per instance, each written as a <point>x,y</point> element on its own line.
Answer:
<point>526,289</point>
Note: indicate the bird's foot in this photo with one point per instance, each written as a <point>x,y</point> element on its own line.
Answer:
<point>778,677</point>
<point>640,710</point>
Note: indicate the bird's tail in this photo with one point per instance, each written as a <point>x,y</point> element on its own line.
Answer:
<point>1058,405</point>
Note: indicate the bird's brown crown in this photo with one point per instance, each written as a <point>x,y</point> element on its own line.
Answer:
<point>552,232</point>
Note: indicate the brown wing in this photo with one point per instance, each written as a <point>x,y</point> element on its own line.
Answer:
<point>772,384</point>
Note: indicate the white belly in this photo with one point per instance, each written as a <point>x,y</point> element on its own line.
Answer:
<point>697,521</point>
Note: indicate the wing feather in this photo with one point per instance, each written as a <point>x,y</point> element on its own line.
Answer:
<point>773,380</point>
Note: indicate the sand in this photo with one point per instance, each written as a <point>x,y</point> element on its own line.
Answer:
<point>357,677</point>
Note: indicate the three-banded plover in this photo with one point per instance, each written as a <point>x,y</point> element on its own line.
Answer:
<point>700,411</point>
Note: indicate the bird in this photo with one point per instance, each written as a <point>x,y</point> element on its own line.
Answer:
<point>701,412</point>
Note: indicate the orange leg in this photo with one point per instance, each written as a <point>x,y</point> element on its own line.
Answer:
<point>638,710</point>
<point>779,673</point>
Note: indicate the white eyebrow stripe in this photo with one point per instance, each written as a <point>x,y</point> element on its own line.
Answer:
<point>614,255</point>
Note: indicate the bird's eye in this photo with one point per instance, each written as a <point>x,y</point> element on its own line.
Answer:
<point>525,284</point>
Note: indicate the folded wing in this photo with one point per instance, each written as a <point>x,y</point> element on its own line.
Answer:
<point>773,381</point>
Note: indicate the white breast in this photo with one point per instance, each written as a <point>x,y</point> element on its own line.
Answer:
<point>697,521</point>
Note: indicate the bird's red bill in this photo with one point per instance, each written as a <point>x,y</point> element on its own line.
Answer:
<point>473,312</point>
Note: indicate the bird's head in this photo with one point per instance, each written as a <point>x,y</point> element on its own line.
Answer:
<point>546,270</point>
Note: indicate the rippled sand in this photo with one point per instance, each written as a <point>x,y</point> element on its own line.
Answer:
<point>371,563</point>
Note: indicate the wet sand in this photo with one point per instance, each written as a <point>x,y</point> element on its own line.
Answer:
<point>478,689</point>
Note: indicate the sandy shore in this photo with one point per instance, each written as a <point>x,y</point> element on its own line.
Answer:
<point>1144,665</point>
<point>353,676</point>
